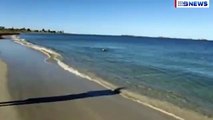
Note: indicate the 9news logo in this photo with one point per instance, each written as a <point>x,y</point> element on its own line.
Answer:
<point>191,3</point>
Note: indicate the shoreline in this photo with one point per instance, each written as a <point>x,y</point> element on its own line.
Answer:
<point>161,106</point>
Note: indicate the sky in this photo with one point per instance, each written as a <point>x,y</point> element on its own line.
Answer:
<point>110,17</point>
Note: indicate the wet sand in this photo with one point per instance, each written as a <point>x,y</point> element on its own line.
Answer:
<point>8,113</point>
<point>72,97</point>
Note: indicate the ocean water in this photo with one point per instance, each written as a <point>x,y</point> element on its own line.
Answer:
<point>174,70</point>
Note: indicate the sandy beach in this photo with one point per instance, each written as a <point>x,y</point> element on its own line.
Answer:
<point>34,88</point>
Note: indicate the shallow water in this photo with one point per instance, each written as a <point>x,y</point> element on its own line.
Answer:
<point>175,70</point>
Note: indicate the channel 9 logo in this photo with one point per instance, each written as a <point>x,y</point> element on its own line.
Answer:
<point>191,3</point>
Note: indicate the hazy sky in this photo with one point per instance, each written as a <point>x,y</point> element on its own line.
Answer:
<point>116,17</point>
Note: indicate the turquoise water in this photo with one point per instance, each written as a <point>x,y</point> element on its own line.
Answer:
<point>175,70</point>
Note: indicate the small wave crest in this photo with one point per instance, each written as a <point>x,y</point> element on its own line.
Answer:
<point>50,53</point>
<point>59,59</point>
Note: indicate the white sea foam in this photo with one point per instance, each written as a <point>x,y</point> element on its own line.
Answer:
<point>57,57</point>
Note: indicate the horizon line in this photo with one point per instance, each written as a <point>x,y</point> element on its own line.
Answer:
<point>126,35</point>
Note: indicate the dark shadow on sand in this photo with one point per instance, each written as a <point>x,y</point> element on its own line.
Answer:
<point>62,98</point>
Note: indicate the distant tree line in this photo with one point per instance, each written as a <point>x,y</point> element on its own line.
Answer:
<point>4,29</point>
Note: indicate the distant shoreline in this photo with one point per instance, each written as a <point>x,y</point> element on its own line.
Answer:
<point>131,36</point>
<point>3,34</point>
<point>17,32</point>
